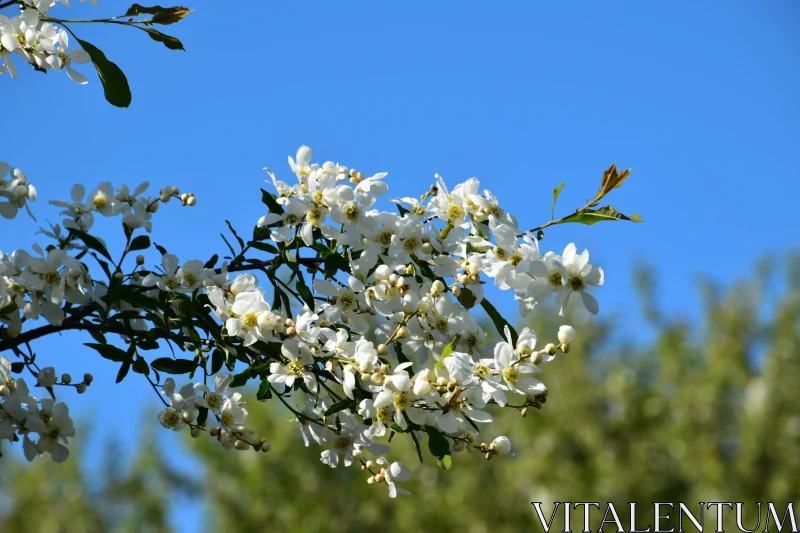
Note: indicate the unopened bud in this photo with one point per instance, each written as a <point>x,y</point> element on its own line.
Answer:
<point>241,445</point>
<point>165,196</point>
<point>456,291</point>
<point>376,378</point>
<point>265,446</point>
<point>537,358</point>
<point>550,349</point>
<point>385,369</point>
<point>370,465</point>
<point>357,454</point>
<point>66,379</point>
<point>140,259</point>
<point>427,248</point>
<point>383,349</point>
<point>291,331</point>
<point>196,432</point>
<point>88,378</point>
<point>437,287</point>
<point>81,388</point>
<point>402,333</point>
<point>136,276</point>
<point>191,201</point>
<point>175,190</point>
<point>463,279</point>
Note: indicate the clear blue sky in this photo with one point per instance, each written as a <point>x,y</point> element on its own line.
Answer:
<point>700,99</point>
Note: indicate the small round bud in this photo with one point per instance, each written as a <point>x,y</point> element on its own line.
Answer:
<point>370,465</point>
<point>470,436</point>
<point>140,259</point>
<point>66,379</point>
<point>402,333</point>
<point>385,369</point>
<point>537,358</point>
<point>393,278</point>
<point>291,331</point>
<point>136,276</point>
<point>265,446</point>
<point>437,287</point>
<point>118,275</point>
<point>456,291</point>
<point>566,334</point>
<point>175,190</point>
<point>401,282</point>
<point>550,349</point>
<point>290,323</point>
<point>427,248</point>
<point>376,378</point>
<point>441,381</point>
<point>365,376</point>
<point>196,432</point>
<point>241,445</point>
<point>191,201</point>
<point>189,416</point>
<point>88,378</point>
<point>165,196</point>
<point>214,431</point>
<point>357,454</point>
<point>463,279</point>
<point>81,388</point>
<point>383,349</point>
<point>257,446</point>
<point>371,480</point>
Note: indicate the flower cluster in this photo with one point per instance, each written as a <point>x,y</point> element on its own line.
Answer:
<point>381,341</point>
<point>43,425</point>
<point>17,191</point>
<point>41,44</point>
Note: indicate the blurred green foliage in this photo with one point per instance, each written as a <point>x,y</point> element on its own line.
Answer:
<point>704,411</point>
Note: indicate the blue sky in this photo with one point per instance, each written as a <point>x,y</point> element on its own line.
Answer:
<point>698,98</point>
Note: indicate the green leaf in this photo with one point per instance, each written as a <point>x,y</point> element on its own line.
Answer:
<point>211,262</point>
<point>500,323</point>
<point>140,366</point>
<point>173,366</point>
<point>123,371</point>
<point>217,360</point>
<point>305,294</point>
<point>264,247</point>
<point>115,84</point>
<point>173,43</point>
<point>448,351</point>
<point>437,443</point>
<point>17,367</point>
<point>396,428</point>
<point>241,379</point>
<point>202,416</point>
<point>338,406</point>
<point>109,352</point>
<point>92,242</point>
<point>142,242</point>
<point>466,298</point>
<point>556,192</point>
<point>264,392</point>
<point>445,462</point>
<point>602,214</point>
<point>270,200</point>
<point>132,297</point>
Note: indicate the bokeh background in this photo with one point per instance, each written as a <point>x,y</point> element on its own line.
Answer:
<point>682,391</point>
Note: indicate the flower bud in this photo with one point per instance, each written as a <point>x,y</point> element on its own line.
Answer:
<point>463,279</point>
<point>402,333</point>
<point>437,287</point>
<point>370,480</point>
<point>459,446</point>
<point>81,388</point>
<point>66,379</point>
<point>291,331</point>
<point>191,201</point>
<point>357,454</point>
<point>456,291</point>
<point>140,259</point>
<point>566,334</point>
<point>118,275</point>
<point>175,190</point>
<point>189,416</point>
<point>550,349</point>
<point>88,378</point>
<point>370,465</point>
<point>196,432</point>
<point>377,378</point>
<point>365,376</point>
<point>383,349</point>
<point>241,445</point>
<point>165,196</point>
<point>441,381</point>
<point>501,446</point>
<point>427,248</point>
<point>265,446</point>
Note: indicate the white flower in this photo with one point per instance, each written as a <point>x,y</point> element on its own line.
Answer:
<point>578,274</point>
<point>502,446</point>
<point>294,368</point>
<point>47,377</point>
